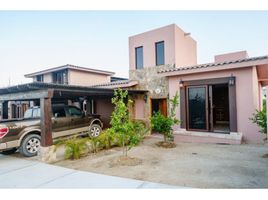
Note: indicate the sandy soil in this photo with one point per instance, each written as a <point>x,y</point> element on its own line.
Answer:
<point>188,164</point>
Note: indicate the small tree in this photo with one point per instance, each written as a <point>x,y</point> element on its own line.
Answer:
<point>122,126</point>
<point>163,124</point>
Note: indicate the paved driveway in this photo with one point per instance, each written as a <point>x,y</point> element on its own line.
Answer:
<point>21,173</point>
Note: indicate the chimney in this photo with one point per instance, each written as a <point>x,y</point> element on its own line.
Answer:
<point>230,56</point>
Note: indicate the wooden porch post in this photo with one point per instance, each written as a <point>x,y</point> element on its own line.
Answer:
<point>46,124</point>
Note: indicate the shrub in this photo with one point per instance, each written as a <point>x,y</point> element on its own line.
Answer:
<point>75,147</point>
<point>162,124</point>
<point>107,139</point>
<point>260,118</point>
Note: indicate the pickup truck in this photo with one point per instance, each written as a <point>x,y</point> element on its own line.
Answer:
<point>25,134</point>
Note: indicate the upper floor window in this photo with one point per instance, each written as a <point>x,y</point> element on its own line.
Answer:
<point>139,57</point>
<point>60,77</point>
<point>160,53</point>
<point>40,78</point>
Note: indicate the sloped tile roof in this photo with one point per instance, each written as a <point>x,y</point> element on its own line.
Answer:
<point>129,83</point>
<point>208,65</point>
<point>68,66</point>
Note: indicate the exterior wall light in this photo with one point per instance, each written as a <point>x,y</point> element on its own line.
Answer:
<point>181,83</point>
<point>145,98</point>
<point>232,80</point>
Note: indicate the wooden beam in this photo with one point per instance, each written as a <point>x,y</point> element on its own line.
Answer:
<point>183,107</point>
<point>232,108</point>
<point>46,124</point>
<point>29,95</point>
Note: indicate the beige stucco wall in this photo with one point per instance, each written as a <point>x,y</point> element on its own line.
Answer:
<point>247,97</point>
<point>86,79</point>
<point>179,49</point>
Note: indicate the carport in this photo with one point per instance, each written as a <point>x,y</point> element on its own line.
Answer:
<point>48,93</point>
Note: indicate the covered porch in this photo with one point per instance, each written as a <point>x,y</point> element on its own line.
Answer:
<point>90,100</point>
<point>217,100</point>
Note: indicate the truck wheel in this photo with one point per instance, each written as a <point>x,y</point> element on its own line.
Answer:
<point>30,145</point>
<point>95,130</point>
<point>9,151</point>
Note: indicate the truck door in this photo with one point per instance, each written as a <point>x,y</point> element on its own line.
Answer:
<point>60,122</point>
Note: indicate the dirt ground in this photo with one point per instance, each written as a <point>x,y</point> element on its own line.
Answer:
<point>189,164</point>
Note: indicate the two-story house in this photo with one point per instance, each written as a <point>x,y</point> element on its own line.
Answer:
<point>66,74</point>
<point>216,99</point>
<point>72,75</point>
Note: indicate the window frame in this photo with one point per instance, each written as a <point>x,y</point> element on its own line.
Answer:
<point>156,53</point>
<point>41,76</point>
<point>136,58</point>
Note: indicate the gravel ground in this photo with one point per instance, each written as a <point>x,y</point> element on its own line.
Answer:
<point>189,164</point>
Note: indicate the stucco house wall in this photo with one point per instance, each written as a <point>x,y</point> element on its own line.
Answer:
<point>180,48</point>
<point>185,48</point>
<point>86,79</point>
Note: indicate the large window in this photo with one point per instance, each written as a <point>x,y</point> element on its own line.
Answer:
<point>60,77</point>
<point>160,53</point>
<point>139,57</point>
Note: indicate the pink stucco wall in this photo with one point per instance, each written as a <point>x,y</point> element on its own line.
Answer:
<point>231,56</point>
<point>247,97</point>
<point>180,49</point>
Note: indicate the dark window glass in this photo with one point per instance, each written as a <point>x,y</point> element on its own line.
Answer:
<point>197,108</point>
<point>40,78</point>
<point>73,111</point>
<point>160,53</point>
<point>58,112</point>
<point>139,57</point>
<point>60,77</point>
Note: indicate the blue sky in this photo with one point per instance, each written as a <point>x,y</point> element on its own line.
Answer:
<point>35,40</point>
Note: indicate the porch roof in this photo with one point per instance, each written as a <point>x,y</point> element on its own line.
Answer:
<point>38,90</point>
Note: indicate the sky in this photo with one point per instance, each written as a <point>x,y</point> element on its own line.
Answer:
<point>35,40</point>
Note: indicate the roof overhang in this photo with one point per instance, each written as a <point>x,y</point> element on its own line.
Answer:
<point>72,67</point>
<point>262,71</point>
<point>38,90</point>
<point>211,67</point>
<point>118,84</point>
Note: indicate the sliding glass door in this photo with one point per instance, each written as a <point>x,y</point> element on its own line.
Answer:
<point>197,108</point>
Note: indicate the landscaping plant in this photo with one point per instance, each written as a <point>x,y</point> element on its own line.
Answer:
<point>260,118</point>
<point>122,126</point>
<point>75,147</point>
<point>162,124</point>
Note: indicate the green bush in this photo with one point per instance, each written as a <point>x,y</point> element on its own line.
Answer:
<point>162,124</point>
<point>260,118</point>
<point>75,147</point>
<point>107,139</point>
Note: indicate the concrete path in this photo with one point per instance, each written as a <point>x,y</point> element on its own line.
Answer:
<point>21,173</point>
